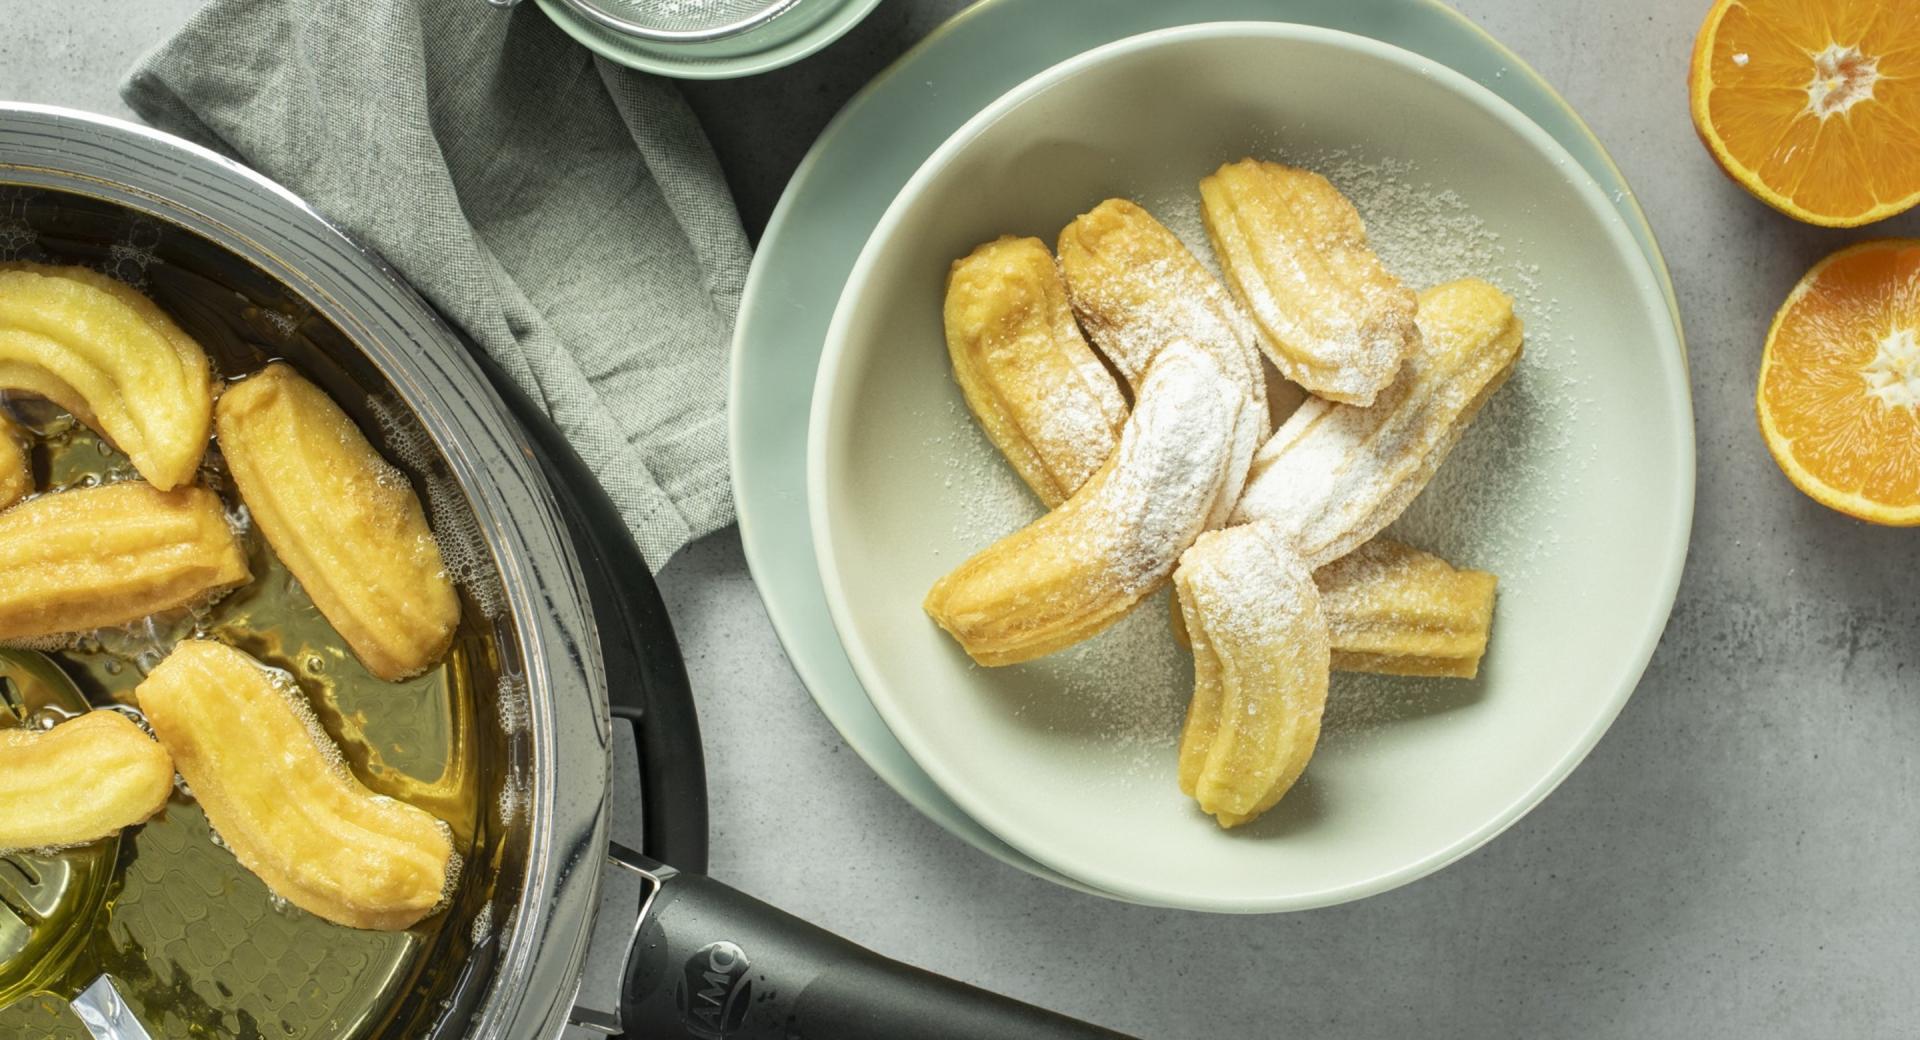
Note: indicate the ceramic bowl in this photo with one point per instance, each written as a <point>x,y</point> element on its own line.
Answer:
<point>1575,486</point>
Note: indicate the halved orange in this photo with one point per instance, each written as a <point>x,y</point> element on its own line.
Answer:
<point>1839,395</point>
<point>1813,105</point>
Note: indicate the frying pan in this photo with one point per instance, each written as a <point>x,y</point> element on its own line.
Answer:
<point>578,633</point>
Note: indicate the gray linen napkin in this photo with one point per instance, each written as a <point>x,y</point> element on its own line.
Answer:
<point>567,212</point>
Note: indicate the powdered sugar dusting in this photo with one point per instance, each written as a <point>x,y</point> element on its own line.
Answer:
<point>1130,686</point>
<point>1119,537</point>
<point>1260,667</point>
<point>1026,368</point>
<point>1493,504</point>
<point>1253,606</point>
<point>1179,212</point>
<point>1171,465</point>
<point>1426,234</point>
<point>1071,431</point>
<point>980,492</point>
<point>1173,460</point>
<point>1338,474</point>
<point>1295,252</point>
<point>1136,289</point>
<point>1475,512</point>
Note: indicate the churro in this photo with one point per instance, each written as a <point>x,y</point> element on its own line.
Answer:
<point>1136,287</point>
<point>1081,567</point>
<point>273,785</point>
<point>81,780</point>
<point>1295,253</point>
<point>1261,662</point>
<point>1035,386</point>
<point>111,357</point>
<point>87,558</point>
<point>343,520</point>
<point>1395,610</point>
<point>1334,475</point>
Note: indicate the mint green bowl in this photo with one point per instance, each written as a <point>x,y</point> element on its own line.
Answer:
<point>839,192</point>
<point>1577,487</point>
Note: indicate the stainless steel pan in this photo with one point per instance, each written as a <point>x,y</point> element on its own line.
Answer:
<point>575,638</point>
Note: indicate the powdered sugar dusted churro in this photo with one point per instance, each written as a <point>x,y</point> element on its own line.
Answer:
<point>1334,475</point>
<point>1261,662</point>
<point>1294,251</point>
<point>1036,387</point>
<point>1081,567</point>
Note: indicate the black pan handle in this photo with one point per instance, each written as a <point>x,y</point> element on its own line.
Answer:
<point>712,963</point>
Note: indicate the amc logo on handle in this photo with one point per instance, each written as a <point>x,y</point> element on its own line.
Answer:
<point>714,991</point>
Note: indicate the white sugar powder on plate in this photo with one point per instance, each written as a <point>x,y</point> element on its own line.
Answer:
<point>979,491</point>
<point>1130,685</point>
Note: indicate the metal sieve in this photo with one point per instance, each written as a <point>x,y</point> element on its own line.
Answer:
<point>677,21</point>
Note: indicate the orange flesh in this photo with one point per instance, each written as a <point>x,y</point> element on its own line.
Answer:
<point>1814,105</point>
<point>1839,382</point>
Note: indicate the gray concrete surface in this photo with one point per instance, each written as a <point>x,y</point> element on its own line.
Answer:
<point>1740,856</point>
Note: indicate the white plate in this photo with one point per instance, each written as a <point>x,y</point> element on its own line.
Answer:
<point>1576,486</point>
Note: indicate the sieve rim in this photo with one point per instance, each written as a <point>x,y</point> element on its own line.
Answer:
<point>600,15</point>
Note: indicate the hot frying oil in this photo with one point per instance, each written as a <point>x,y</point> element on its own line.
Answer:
<point>195,944</point>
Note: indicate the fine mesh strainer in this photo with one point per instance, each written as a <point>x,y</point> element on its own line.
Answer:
<point>680,21</point>
<point>702,39</point>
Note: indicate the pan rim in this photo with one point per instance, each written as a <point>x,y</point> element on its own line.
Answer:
<point>184,185</point>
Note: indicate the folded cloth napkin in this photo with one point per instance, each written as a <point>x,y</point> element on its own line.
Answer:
<point>566,212</point>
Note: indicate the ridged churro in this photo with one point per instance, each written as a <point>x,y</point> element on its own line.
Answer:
<point>81,780</point>
<point>1137,288</point>
<point>1334,475</point>
<point>87,558</point>
<point>343,520</point>
<point>275,788</point>
<point>1395,610</point>
<point>1081,567</point>
<point>111,357</point>
<point>1295,253</point>
<point>1261,663</point>
<point>1035,386</point>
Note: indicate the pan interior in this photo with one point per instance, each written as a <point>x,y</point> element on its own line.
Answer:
<point>195,944</point>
